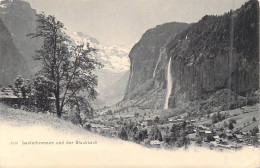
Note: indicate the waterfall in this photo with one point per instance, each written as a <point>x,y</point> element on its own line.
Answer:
<point>169,85</point>
<point>154,71</point>
<point>155,68</point>
<point>131,74</point>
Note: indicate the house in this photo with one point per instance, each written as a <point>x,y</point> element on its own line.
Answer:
<point>239,137</point>
<point>208,136</point>
<point>228,131</point>
<point>180,120</point>
<point>7,96</point>
<point>216,137</point>
<point>201,127</point>
<point>201,133</point>
<point>245,133</point>
<point>207,124</point>
<point>172,121</point>
<point>209,133</point>
<point>144,123</point>
<point>155,143</point>
<point>192,137</point>
<point>224,146</point>
<point>229,135</point>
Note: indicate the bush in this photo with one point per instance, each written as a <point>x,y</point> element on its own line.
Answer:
<point>109,112</point>
<point>155,134</point>
<point>217,118</point>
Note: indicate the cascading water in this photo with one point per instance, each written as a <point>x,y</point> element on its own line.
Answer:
<point>169,85</point>
<point>131,74</point>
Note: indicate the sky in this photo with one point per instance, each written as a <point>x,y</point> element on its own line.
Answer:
<point>122,22</point>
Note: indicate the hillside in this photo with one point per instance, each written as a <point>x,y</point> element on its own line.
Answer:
<point>12,62</point>
<point>20,19</point>
<point>25,127</point>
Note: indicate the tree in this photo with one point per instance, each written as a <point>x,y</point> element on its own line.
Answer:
<point>136,115</point>
<point>254,119</point>
<point>254,131</point>
<point>155,134</point>
<point>122,134</point>
<point>22,86</point>
<point>109,112</point>
<point>80,110</point>
<point>42,89</point>
<point>69,68</point>
<point>231,122</point>
<point>225,124</point>
<point>156,120</point>
<point>142,135</point>
<point>230,126</point>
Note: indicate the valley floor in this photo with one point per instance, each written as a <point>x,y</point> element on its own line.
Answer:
<point>41,140</point>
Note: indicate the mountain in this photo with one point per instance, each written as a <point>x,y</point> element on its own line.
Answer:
<point>116,64</point>
<point>218,52</point>
<point>12,62</point>
<point>145,59</point>
<point>217,57</point>
<point>20,19</point>
<point>115,58</point>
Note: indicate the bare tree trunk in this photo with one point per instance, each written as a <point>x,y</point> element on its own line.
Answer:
<point>57,97</point>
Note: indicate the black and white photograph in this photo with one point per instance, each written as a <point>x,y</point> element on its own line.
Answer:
<point>129,83</point>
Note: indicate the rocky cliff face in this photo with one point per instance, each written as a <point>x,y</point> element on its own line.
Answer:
<point>219,54</point>
<point>145,54</point>
<point>12,62</point>
<point>20,19</point>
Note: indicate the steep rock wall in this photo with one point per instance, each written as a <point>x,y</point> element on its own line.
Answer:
<point>218,52</point>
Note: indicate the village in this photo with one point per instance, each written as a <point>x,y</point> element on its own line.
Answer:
<point>200,132</point>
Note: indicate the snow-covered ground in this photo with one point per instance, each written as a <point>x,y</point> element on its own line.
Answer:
<point>23,127</point>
